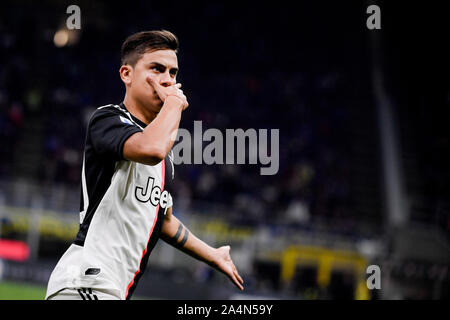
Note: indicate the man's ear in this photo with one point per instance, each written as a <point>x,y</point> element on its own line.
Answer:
<point>126,73</point>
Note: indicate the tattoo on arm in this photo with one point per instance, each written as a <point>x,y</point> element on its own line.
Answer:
<point>177,235</point>
<point>175,240</point>
<point>185,237</point>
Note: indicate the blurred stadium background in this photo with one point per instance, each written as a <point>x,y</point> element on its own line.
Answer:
<point>364,143</point>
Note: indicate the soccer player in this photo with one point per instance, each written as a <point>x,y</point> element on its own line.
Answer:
<point>126,205</point>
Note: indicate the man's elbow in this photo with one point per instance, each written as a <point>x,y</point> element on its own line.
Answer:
<point>144,152</point>
<point>155,154</point>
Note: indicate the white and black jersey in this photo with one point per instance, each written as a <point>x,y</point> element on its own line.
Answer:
<point>121,211</point>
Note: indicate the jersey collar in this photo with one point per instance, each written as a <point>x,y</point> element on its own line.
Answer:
<point>139,122</point>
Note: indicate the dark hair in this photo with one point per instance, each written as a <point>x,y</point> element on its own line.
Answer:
<point>139,43</point>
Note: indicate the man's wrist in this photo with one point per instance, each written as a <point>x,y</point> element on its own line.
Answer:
<point>211,257</point>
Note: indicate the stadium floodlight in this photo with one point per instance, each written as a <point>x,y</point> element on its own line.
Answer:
<point>61,38</point>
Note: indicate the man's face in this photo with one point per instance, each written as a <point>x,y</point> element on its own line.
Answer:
<point>162,65</point>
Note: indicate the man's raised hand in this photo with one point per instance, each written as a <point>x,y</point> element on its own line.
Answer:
<point>164,92</point>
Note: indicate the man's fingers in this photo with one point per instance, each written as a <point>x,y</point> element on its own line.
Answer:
<point>236,277</point>
<point>240,286</point>
<point>151,80</point>
<point>239,277</point>
<point>236,282</point>
<point>154,84</point>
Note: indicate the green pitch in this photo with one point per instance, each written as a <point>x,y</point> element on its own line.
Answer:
<point>20,291</point>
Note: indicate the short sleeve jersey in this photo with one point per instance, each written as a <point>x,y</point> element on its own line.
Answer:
<point>121,209</point>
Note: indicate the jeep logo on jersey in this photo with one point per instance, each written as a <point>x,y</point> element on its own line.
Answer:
<point>152,193</point>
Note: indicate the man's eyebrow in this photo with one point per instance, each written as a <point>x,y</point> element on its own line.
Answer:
<point>160,65</point>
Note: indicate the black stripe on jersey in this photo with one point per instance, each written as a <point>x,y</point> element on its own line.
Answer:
<point>99,188</point>
<point>150,245</point>
<point>100,168</point>
<point>93,295</point>
<point>87,295</point>
<point>82,296</point>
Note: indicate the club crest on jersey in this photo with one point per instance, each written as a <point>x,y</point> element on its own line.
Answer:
<point>152,193</point>
<point>125,120</point>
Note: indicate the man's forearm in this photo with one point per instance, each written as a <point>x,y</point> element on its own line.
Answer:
<point>177,235</point>
<point>152,145</point>
<point>161,131</point>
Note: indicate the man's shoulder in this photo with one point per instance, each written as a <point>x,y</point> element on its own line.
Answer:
<point>110,111</point>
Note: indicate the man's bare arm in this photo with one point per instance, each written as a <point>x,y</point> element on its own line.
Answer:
<point>153,144</point>
<point>177,235</point>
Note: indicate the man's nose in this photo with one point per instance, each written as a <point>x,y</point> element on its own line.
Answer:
<point>167,80</point>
